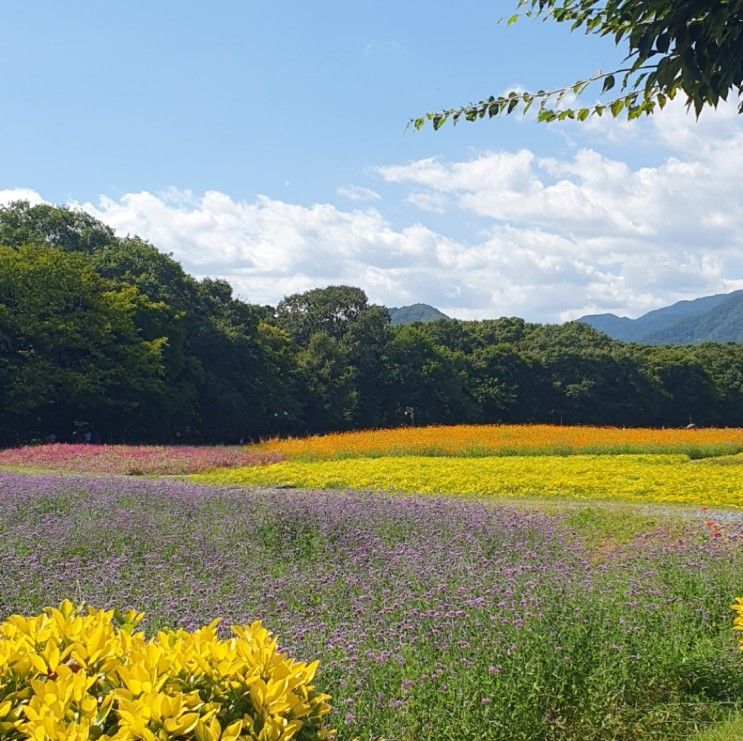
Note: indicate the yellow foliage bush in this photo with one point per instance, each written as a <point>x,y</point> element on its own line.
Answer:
<point>738,622</point>
<point>72,674</point>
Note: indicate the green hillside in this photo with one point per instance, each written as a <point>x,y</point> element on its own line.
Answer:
<point>415,313</point>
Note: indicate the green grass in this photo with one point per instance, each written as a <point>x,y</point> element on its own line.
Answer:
<point>731,730</point>
<point>602,528</point>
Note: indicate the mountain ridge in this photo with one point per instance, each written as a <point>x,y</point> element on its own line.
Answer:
<point>716,318</point>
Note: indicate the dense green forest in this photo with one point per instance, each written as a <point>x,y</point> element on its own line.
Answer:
<point>108,335</point>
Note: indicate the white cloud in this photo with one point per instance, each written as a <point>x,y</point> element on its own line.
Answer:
<point>269,248</point>
<point>383,46</point>
<point>9,195</point>
<point>608,236</point>
<point>550,238</point>
<point>358,193</point>
<point>431,201</point>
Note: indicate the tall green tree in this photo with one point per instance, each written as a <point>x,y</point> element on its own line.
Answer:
<point>365,346</point>
<point>69,229</point>
<point>428,377</point>
<point>506,385</point>
<point>331,310</point>
<point>689,392</point>
<point>327,384</point>
<point>70,351</point>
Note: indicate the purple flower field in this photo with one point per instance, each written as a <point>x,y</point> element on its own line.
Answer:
<point>432,618</point>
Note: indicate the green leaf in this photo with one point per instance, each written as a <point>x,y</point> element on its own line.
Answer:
<point>668,45</point>
<point>616,107</point>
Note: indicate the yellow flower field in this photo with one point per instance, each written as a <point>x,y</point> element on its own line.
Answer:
<point>671,479</point>
<point>487,440</point>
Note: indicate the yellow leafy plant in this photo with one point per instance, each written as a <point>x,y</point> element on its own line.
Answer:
<point>74,674</point>
<point>738,622</point>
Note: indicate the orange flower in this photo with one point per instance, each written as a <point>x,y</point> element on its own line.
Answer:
<point>482,440</point>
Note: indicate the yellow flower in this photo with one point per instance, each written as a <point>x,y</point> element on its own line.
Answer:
<point>672,479</point>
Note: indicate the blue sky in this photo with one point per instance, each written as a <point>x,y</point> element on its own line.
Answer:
<point>265,142</point>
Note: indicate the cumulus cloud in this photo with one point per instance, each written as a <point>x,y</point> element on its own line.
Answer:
<point>269,248</point>
<point>358,193</point>
<point>9,195</point>
<point>547,238</point>
<point>619,238</point>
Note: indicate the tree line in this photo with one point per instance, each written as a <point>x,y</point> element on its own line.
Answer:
<point>108,336</point>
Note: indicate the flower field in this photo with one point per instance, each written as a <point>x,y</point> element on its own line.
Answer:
<point>668,479</point>
<point>128,459</point>
<point>509,440</point>
<point>432,618</point>
<point>447,613</point>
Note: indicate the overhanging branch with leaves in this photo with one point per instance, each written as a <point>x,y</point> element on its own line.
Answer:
<point>689,47</point>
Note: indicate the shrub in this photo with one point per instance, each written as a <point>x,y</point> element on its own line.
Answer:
<point>77,674</point>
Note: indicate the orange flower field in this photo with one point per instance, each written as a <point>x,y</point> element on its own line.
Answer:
<point>501,440</point>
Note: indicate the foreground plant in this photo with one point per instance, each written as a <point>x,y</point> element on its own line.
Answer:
<point>738,622</point>
<point>78,674</point>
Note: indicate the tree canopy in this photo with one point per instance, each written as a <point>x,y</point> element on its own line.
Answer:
<point>689,47</point>
<point>109,335</point>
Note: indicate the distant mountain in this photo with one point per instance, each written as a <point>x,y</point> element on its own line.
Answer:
<point>716,318</point>
<point>415,313</point>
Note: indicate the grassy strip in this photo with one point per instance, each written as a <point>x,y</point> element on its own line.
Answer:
<point>731,730</point>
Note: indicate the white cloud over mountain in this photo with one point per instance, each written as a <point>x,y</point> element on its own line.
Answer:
<point>556,237</point>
